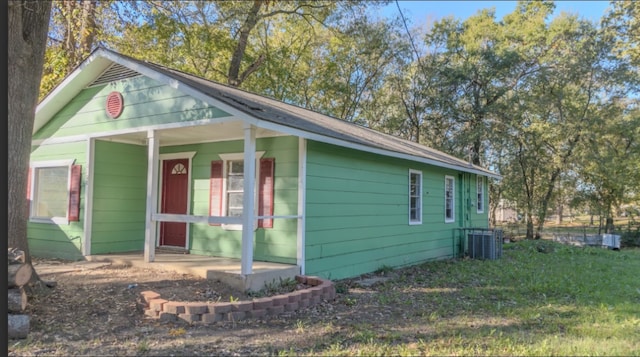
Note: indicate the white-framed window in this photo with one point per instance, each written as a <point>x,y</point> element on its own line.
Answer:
<point>50,184</point>
<point>480,193</point>
<point>449,199</point>
<point>233,186</point>
<point>415,197</point>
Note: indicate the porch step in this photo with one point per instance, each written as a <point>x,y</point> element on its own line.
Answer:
<point>252,282</point>
<point>171,250</point>
<point>227,270</point>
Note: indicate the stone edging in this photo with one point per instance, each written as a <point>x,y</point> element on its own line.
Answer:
<point>206,313</point>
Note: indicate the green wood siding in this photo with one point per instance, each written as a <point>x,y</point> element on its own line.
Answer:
<point>358,216</point>
<point>64,241</point>
<point>277,244</point>
<point>146,102</point>
<point>119,197</point>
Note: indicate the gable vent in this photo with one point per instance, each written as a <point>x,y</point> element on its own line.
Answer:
<point>115,72</point>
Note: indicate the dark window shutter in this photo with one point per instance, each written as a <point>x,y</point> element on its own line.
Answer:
<point>215,190</point>
<point>29,173</point>
<point>29,184</point>
<point>74,193</point>
<point>265,192</point>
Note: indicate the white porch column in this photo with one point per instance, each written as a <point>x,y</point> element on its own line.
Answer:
<point>248,198</point>
<point>302,183</point>
<point>152,197</point>
<point>88,197</point>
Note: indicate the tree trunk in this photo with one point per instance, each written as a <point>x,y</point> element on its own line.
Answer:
<point>238,54</point>
<point>559,217</point>
<point>18,326</point>
<point>600,224</point>
<point>539,228</point>
<point>477,146</point>
<point>69,35</point>
<point>29,23</point>
<point>19,275</point>
<point>608,227</point>
<point>529,226</point>
<point>89,28</point>
<point>492,216</point>
<point>16,300</point>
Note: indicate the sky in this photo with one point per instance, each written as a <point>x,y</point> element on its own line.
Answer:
<point>420,11</point>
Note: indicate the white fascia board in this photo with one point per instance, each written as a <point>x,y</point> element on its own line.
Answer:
<point>140,129</point>
<point>75,82</point>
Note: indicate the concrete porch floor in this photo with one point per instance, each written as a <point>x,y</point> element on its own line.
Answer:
<point>227,270</point>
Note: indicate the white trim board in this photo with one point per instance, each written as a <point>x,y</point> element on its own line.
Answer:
<point>139,129</point>
<point>302,191</point>
<point>150,235</point>
<point>88,198</point>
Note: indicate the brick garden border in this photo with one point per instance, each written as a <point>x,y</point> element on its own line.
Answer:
<point>156,307</point>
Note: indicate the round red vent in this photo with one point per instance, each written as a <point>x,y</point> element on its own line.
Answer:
<point>114,104</point>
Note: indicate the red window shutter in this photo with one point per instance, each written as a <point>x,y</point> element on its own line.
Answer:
<point>29,192</point>
<point>29,185</point>
<point>74,193</point>
<point>215,190</point>
<point>265,192</point>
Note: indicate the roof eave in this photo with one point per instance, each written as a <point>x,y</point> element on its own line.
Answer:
<point>75,82</point>
<point>100,59</point>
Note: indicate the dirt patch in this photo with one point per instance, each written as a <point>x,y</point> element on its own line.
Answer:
<point>94,312</point>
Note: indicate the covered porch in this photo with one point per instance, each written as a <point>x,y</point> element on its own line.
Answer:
<point>245,272</point>
<point>227,270</point>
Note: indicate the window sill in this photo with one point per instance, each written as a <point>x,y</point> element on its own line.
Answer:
<point>54,220</point>
<point>237,227</point>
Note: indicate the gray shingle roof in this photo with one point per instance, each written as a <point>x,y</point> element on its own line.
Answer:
<point>299,118</point>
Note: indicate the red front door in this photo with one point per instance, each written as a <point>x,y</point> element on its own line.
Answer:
<point>175,184</point>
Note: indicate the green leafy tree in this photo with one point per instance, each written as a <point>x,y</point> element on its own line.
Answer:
<point>609,161</point>
<point>348,67</point>
<point>556,108</point>
<point>75,28</point>
<point>331,68</point>
<point>623,23</point>
<point>215,40</point>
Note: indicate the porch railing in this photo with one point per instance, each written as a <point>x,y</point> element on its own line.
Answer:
<point>184,218</point>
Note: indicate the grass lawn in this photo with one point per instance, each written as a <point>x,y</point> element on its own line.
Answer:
<point>541,298</point>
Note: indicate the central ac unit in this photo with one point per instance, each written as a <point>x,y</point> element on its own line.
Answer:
<point>484,244</point>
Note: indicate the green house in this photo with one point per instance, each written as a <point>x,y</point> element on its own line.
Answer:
<point>129,156</point>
